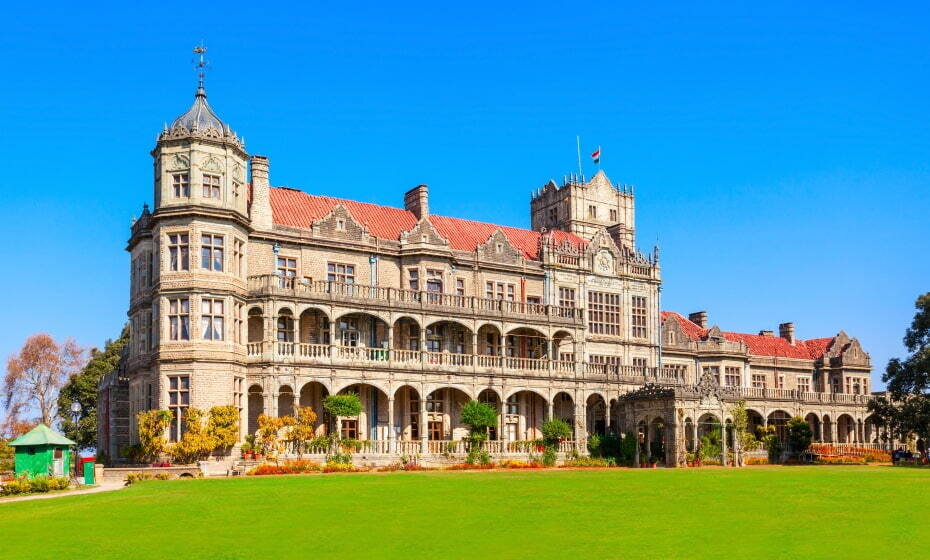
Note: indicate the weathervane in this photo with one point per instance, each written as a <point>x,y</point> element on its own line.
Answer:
<point>201,64</point>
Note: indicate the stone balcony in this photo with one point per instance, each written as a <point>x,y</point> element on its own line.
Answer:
<point>383,298</point>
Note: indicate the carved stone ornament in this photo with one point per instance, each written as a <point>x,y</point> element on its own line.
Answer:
<point>238,172</point>
<point>604,262</point>
<point>212,164</point>
<point>179,162</point>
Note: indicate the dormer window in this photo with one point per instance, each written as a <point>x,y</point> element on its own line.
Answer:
<point>499,248</point>
<point>424,238</point>
<point>340,225</point>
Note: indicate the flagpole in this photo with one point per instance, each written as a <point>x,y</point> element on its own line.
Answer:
<point>598,158</point>
<point>580,170</point>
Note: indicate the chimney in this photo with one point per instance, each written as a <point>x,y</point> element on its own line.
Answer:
<point>767,333</point>
<point>416,200</point>
<point>699,318</point>
<point>260,212</point>
<point>786,331</point>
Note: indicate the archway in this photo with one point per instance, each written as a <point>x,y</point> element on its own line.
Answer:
<point>657,439</point>
<point>814,422</point>
<point>596,412</point>
<point>372,422</point>
<point>616,411</point>
<point>448,342</point>
<point>779,419</point>
<point>361,336</point>
<point>312,395</point>
<point>563,349</point>
<point>525,342</point>
<point>754,421</point>
<point>563,408</point>
<point>443,415</point>
<point>492,399</point>
<point>845,429</point>
<point>314,327</point>
<point>407,418</point>
<point>285,401</point>
<point>525,413</point>
<point>256,406</point>
<point>256,325</point>
<point>710,437</point>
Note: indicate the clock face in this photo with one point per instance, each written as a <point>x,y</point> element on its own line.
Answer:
<point>605,261</point>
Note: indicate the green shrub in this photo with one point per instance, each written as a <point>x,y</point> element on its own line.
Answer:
<point>132,478</point>
<point>548,457</point>
<point>799,435</point>
<point>59,483</point>
<point>554,430</point>
<point>478,416</point>
<point>19,485</point>
<point>339,458</point>
<point>343,405</point>
<point>478,456</point>
<point>40,484</point>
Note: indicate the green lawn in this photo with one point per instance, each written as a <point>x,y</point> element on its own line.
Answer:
<point>756,512</point>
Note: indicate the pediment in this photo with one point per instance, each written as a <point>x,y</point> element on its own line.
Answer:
<point>715,334</point>
<point>179,162</point>
<point>340,223</point>
<point>603,254</point>
<point>423,232</point>
<point>499,249</point>
<point>212,164</point>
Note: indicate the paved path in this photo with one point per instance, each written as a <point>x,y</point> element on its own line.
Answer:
<point>105,486</point>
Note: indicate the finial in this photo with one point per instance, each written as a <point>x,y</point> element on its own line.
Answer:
<point>201,65</point>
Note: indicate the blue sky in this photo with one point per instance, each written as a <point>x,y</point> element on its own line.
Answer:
<point>779,153</point>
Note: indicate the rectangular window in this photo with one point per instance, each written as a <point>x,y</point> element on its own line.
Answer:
<point>434,402</point>
<point>235,189</point>
<point>179,319</point>
<point>434,281</point>
<point>181,184</point>
<point>489,290</point>
<point>592,212</point>
<point>286,269</point>
<point>613,215</point>
<point>804,384</point>
<point>435,431</point>
<point>641,363</point>
<point>238,323</point>
<point>604,313</point>
<point>533,300</point>
<point>414,279</point>
<point>211,319</point>
<point>567,297</point>
<point>639,317</point>
<point>211,252</point>
<point>211,186</point>
<point>713,370</point>
<point>460,286</point>
<point>604,359</point>
<point>758,380</point>
<point>179,251</point>
<point>731,376</point>
<point>676,371</point>
<point>780,381</point>
<point>179,399</point>
<point>511,292</point>
<point>239,257</point>
<point>350,429</point>
<point>337,272</point>
<point>239,396</point>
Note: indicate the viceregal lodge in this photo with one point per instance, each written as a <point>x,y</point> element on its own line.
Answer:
<point>269,298</point>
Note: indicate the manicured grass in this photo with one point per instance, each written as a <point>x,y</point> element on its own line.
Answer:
<point>756,512</point>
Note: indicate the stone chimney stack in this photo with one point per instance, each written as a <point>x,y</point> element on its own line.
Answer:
<point>416,200</point>
<point>767,333</point>
<point>699,318</point>
<point>786,331</point>
<point>260,213</point>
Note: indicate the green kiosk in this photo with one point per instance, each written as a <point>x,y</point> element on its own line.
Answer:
<point>42,452</point>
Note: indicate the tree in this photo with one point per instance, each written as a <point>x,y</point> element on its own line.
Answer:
<point>799,435</point>
<point>908,379</point>
<point>35,375</point>
<point>555,430</point>
<point>303,428</point>
<point>478,416</point>
<point>197,442</point>
<point>223,426</point>
<point>343,405</point>
<point>82,388</point>
<point>151,426</point>
<point>887,415</point>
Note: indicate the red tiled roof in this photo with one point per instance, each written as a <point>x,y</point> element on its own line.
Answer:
<point>692,330</point>
<point>299,209</point>
<point>759,345</point>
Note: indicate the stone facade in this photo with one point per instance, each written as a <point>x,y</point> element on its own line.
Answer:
<point>269,298</point>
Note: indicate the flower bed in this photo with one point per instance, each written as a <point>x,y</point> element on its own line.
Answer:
<point>287,467</point>
<point>588,462</point>
<point>842,460</point>
<point>517,464</point>
<point>756,461</point>
<point>467,467</point>
<point>868,454</point>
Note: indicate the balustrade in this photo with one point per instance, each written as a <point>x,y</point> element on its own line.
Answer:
<point>320,289</point>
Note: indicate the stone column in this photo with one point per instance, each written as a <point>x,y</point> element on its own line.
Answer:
<point>392,448</point>
<point>723,443</point>
<point>648,441</point>
<point>390,341</point>
<point>671,445</point>
<point>551,411</point>
<point>424,432</point>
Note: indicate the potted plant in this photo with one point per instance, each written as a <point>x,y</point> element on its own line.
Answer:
<point>653,462</point>
<point>246,450</point>
<point>689,457</point>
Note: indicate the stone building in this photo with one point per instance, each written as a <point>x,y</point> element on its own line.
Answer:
<point>268,298</point>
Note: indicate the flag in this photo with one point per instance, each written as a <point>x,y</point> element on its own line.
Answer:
<point>596,156</point>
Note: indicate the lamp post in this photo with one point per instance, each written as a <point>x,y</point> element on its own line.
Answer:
<point>75,417</point>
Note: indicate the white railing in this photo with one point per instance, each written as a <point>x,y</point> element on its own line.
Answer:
<point>448,359</point>
<point>406,356</point>
<point>313,351</point>
<point>526,364</point>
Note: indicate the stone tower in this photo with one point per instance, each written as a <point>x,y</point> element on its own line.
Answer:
<point>189,270</point>
<point>583,208</point>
